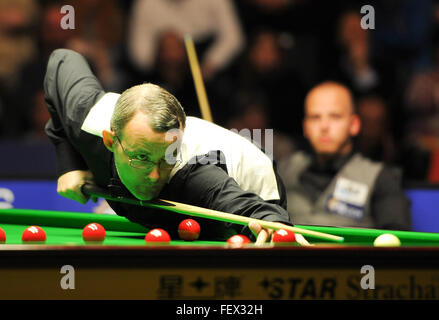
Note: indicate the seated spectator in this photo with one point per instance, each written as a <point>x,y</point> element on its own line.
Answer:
<point>251,119</point>
<point>17,44</point>
<point>213,23</point>
<point>17,48</point>
<point>282,15</point>
<point>375,139</point>
<point>171,71</point>
<point>333,184</point>
<point>422,114</point>
<point>355,65</point>
<point>97,36</point>
<point>402,37</point>
<point>265,69</point>
<point>51,36</point>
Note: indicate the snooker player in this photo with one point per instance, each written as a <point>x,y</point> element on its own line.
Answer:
<point>141,144</point>
<point>335,185</point>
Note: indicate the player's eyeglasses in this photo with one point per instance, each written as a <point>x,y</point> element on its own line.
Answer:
<point>148,165</point>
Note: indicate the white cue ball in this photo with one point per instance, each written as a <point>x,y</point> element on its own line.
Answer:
<point>387,240</point>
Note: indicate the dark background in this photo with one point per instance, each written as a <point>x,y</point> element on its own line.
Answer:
<point>289,47</point>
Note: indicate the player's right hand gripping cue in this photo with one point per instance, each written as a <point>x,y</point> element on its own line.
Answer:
<point>70,183</point>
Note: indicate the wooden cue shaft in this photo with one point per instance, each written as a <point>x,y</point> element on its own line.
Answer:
<point>198,79</point>
<point>205,213</point>
<point>243,220</point>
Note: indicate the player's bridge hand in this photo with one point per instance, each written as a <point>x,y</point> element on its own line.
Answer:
<point>262,235</point>
<point>70,183</point>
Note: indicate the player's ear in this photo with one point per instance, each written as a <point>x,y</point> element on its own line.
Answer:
<point>108,137</point>
<point>355,125</point>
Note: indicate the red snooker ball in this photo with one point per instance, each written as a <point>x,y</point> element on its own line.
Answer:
<point>33,234</point>
<point>238,240</point>
<point>282,236</point>
<point>189,230</point>
<point>93,232</point>
<point>2,236</point>
<point>157,235</point>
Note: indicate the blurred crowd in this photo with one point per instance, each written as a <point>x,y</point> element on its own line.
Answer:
<point>259,58</point>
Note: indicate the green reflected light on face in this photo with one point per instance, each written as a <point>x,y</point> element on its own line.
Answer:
<point>138,138</point>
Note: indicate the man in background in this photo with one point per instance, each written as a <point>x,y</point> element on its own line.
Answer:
<point>333,184</point>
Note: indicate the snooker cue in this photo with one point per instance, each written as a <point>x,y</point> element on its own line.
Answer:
<point>198,79</point>
<point>93,190</point>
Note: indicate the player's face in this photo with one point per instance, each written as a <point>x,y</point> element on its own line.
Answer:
<point>141,158</point>
<point>329,122</point>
